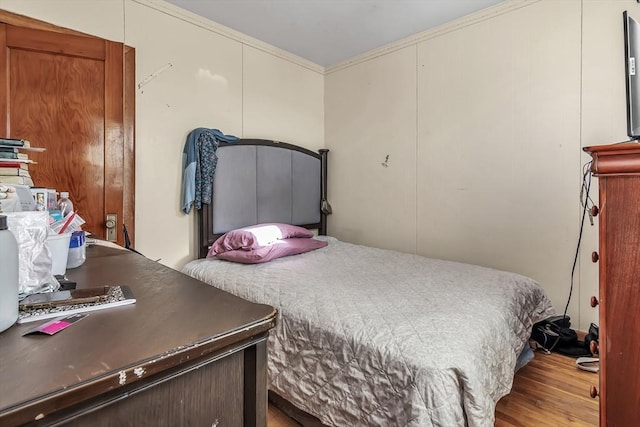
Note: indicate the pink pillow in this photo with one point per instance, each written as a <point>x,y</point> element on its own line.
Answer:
<point>278,249</point>
<point>256,236</point>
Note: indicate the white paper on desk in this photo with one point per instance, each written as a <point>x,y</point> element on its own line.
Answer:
<point>34,315</point>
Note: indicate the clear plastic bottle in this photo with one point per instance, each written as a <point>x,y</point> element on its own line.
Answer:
<point>64,204</point>
<point>9,287</point>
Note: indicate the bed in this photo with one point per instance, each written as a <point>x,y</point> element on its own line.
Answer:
<point>365,336</point>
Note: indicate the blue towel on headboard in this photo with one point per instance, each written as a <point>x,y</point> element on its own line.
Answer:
<point>199,162</point>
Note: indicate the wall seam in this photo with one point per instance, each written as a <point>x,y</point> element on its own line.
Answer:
<point>415,218</point>
<point>580,113</point>
<point>243,77</point>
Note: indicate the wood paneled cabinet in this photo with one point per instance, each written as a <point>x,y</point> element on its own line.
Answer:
<point>617,167</point>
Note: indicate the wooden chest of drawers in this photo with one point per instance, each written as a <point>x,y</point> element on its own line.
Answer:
<point>617,167</point>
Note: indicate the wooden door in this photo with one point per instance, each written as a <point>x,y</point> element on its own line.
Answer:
<point>65,92</point>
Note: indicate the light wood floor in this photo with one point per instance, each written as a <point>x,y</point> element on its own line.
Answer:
<point>549,391</point>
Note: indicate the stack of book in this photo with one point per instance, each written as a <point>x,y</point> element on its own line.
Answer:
<point>14,164</point>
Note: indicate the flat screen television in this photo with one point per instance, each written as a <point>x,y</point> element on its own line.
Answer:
<point>631,52</point>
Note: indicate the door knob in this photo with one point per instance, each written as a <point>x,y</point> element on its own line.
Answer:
<point>594,256</point>
<point>594,301</point>
<point>111,224</point>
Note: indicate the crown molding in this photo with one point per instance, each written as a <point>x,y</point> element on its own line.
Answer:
<point>465,21</point>
<point>192,18</point>
<point>474,18</point>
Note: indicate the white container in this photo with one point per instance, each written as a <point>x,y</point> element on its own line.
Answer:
<point>9,286</point>
<point>77,250</point>
<point>58,245</point>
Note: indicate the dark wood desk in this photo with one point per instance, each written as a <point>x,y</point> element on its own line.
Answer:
<point>185,353</point>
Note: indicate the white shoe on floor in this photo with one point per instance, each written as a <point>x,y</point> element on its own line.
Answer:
<point>591,364</point>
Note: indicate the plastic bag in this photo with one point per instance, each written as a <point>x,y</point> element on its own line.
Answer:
<point>71,222</point>
<point>34,271</point>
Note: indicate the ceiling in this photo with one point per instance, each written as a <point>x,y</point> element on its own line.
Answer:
<point>328,32</point>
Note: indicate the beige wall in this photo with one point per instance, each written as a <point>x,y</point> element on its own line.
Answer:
<point>205,76</point>
<point>370,113</point>
<point>498,142</point>
<point>484,120</point>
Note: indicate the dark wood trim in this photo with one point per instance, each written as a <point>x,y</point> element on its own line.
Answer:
<point>154,402</point>
<point>255,386</point>
<point>272,143</point>
<point>324,154</point>
<point>205,225</point>
<point>114,134</point>
<point>129,141</point>
<point>602,296</point>
<point>293,412</point>
<point>615,159</point>
<point>4,82</point>
<point>47,41</point>
<point>219,347</point>
<point>120,393</point>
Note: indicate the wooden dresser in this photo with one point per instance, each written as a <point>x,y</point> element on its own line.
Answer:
<point>185,354</point>
<point>617,167</point>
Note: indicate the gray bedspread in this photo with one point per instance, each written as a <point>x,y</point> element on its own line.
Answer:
<point>371,337</point>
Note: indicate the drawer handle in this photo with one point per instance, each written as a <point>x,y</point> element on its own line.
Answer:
<point>594,256</point>
<point>594,210</point>
<point>593,392</point>
<point>594,347</point>
<point>594,301</point>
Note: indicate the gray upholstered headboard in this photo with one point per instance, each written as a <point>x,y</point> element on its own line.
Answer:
<point>259,181</point>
